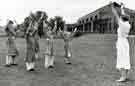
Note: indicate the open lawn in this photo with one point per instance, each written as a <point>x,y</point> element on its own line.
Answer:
<point>94,58</point>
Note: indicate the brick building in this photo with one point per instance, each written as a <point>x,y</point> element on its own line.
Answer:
<point>103,21</point>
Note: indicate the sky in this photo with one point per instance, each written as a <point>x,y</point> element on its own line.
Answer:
<point>70,10</point>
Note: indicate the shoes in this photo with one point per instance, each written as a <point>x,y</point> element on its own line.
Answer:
<point>122,79</point>
<point>31,69</point>
<point>51,66</point>
<point>30,66</point>
<point>14,64</point>
<point>67,61</point>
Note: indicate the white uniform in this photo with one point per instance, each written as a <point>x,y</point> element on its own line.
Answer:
<point>122,45</point>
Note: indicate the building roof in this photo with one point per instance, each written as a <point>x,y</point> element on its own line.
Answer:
<point>103,9</point>
<point>90,14</point>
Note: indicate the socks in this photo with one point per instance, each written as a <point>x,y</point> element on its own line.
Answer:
<point>69,54</point>
<point>30,65</point>
<point>49,61</point>
<point>9,60</point>
<point>46,64</point>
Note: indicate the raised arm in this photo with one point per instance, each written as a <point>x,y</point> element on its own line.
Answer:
<point>17,25</point>
<point>55,27</point>
<point>115,13</point>
<point>73,33</point>
<point>45,27</point>
<point>12,31</point>
<point>29,27</point>
<point>42,15</point>
<point>122,9</point>
<point>15,22</point>
<point>61,33</point>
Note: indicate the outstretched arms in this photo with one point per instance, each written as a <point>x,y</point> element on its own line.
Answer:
<point>67,35</point>
<point>42,15</point>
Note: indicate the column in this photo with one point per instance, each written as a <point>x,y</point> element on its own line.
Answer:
<point>91,26</point>
<point>88,27</point>
<point>83,27</point>
<point>112,25</point>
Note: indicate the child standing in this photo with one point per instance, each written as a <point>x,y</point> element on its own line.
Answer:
<point>12,50</point>
<point>67,37</point>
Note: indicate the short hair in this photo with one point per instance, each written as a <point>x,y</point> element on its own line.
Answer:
<point>125,17</point>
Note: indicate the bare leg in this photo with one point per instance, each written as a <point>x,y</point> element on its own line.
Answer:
<point>68,57</point>
<point>51,62</point>
<point>8,61</point>
<point>46,64</point>
<point>123,75</point>
<point>67,52</point>
<point>28,66</point>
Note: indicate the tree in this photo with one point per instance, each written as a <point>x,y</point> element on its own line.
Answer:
<point>60,22</point>
<point>40,17</point>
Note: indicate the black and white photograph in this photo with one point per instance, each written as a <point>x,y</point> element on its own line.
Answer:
<point>67,43</point>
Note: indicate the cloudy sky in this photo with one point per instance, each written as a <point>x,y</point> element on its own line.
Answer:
<point>71,10</point>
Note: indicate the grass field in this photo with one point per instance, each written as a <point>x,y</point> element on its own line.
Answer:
<point>94,58</point>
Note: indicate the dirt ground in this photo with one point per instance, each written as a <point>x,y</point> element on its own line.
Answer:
<point>94,58</point>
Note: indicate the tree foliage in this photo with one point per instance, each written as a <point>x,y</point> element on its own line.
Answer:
<point>59,20</point>
<point>50,22</point>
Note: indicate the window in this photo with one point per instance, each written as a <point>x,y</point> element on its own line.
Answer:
<point>79,22</point>
<point>82,21</point>
<point>91,18</point>
<point>87,20</point>
<point>96,17</point>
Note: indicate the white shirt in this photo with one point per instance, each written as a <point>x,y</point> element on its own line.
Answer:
<point>124,28</point>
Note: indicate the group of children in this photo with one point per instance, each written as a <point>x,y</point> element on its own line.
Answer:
<point>32,44</point>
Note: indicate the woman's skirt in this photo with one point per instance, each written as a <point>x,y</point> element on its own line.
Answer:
<point>31,49</point>
<point>11,45</point>
<point>123,57</point>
